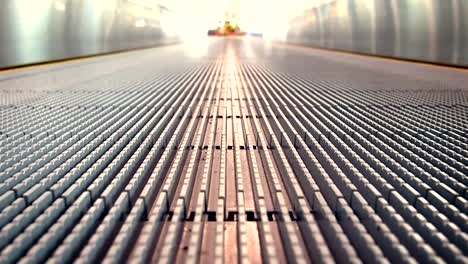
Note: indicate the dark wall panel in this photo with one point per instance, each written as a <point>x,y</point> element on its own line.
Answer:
<point>427,30</point>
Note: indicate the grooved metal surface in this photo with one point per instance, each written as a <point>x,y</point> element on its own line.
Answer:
<point>236,151</point>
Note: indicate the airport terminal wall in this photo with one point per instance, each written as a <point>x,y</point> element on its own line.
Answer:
<point>47,30</point>
<point>427,30</point>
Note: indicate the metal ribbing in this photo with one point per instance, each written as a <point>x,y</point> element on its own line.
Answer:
<point>226,158</point>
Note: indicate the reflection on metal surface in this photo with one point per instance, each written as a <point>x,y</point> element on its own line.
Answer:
<point>44,30</point>
<point>286,155</point>
<point>428,30</point>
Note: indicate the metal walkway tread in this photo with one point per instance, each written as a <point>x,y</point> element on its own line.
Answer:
<point>237,155</point>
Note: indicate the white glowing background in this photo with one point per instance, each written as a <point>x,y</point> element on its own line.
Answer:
<point>269,17</point>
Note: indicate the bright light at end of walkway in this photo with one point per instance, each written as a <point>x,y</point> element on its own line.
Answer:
<point>267,17</point>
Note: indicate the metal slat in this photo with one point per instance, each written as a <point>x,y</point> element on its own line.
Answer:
<point>238,155</point>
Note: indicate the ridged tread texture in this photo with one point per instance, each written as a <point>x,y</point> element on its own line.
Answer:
<point>234,151</point>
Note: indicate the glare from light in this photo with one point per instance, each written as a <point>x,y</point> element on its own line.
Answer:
<point>341,8</point>
<point>105,4</point>
<point>267,17</point>
<point>33,14</point>
<point>194,18</point>
<point>270,18</point>
<point>140,23</point>
<point>30,30</point>
<point>60,5</point>
<point>169,24</point>
<point>196,46</point>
